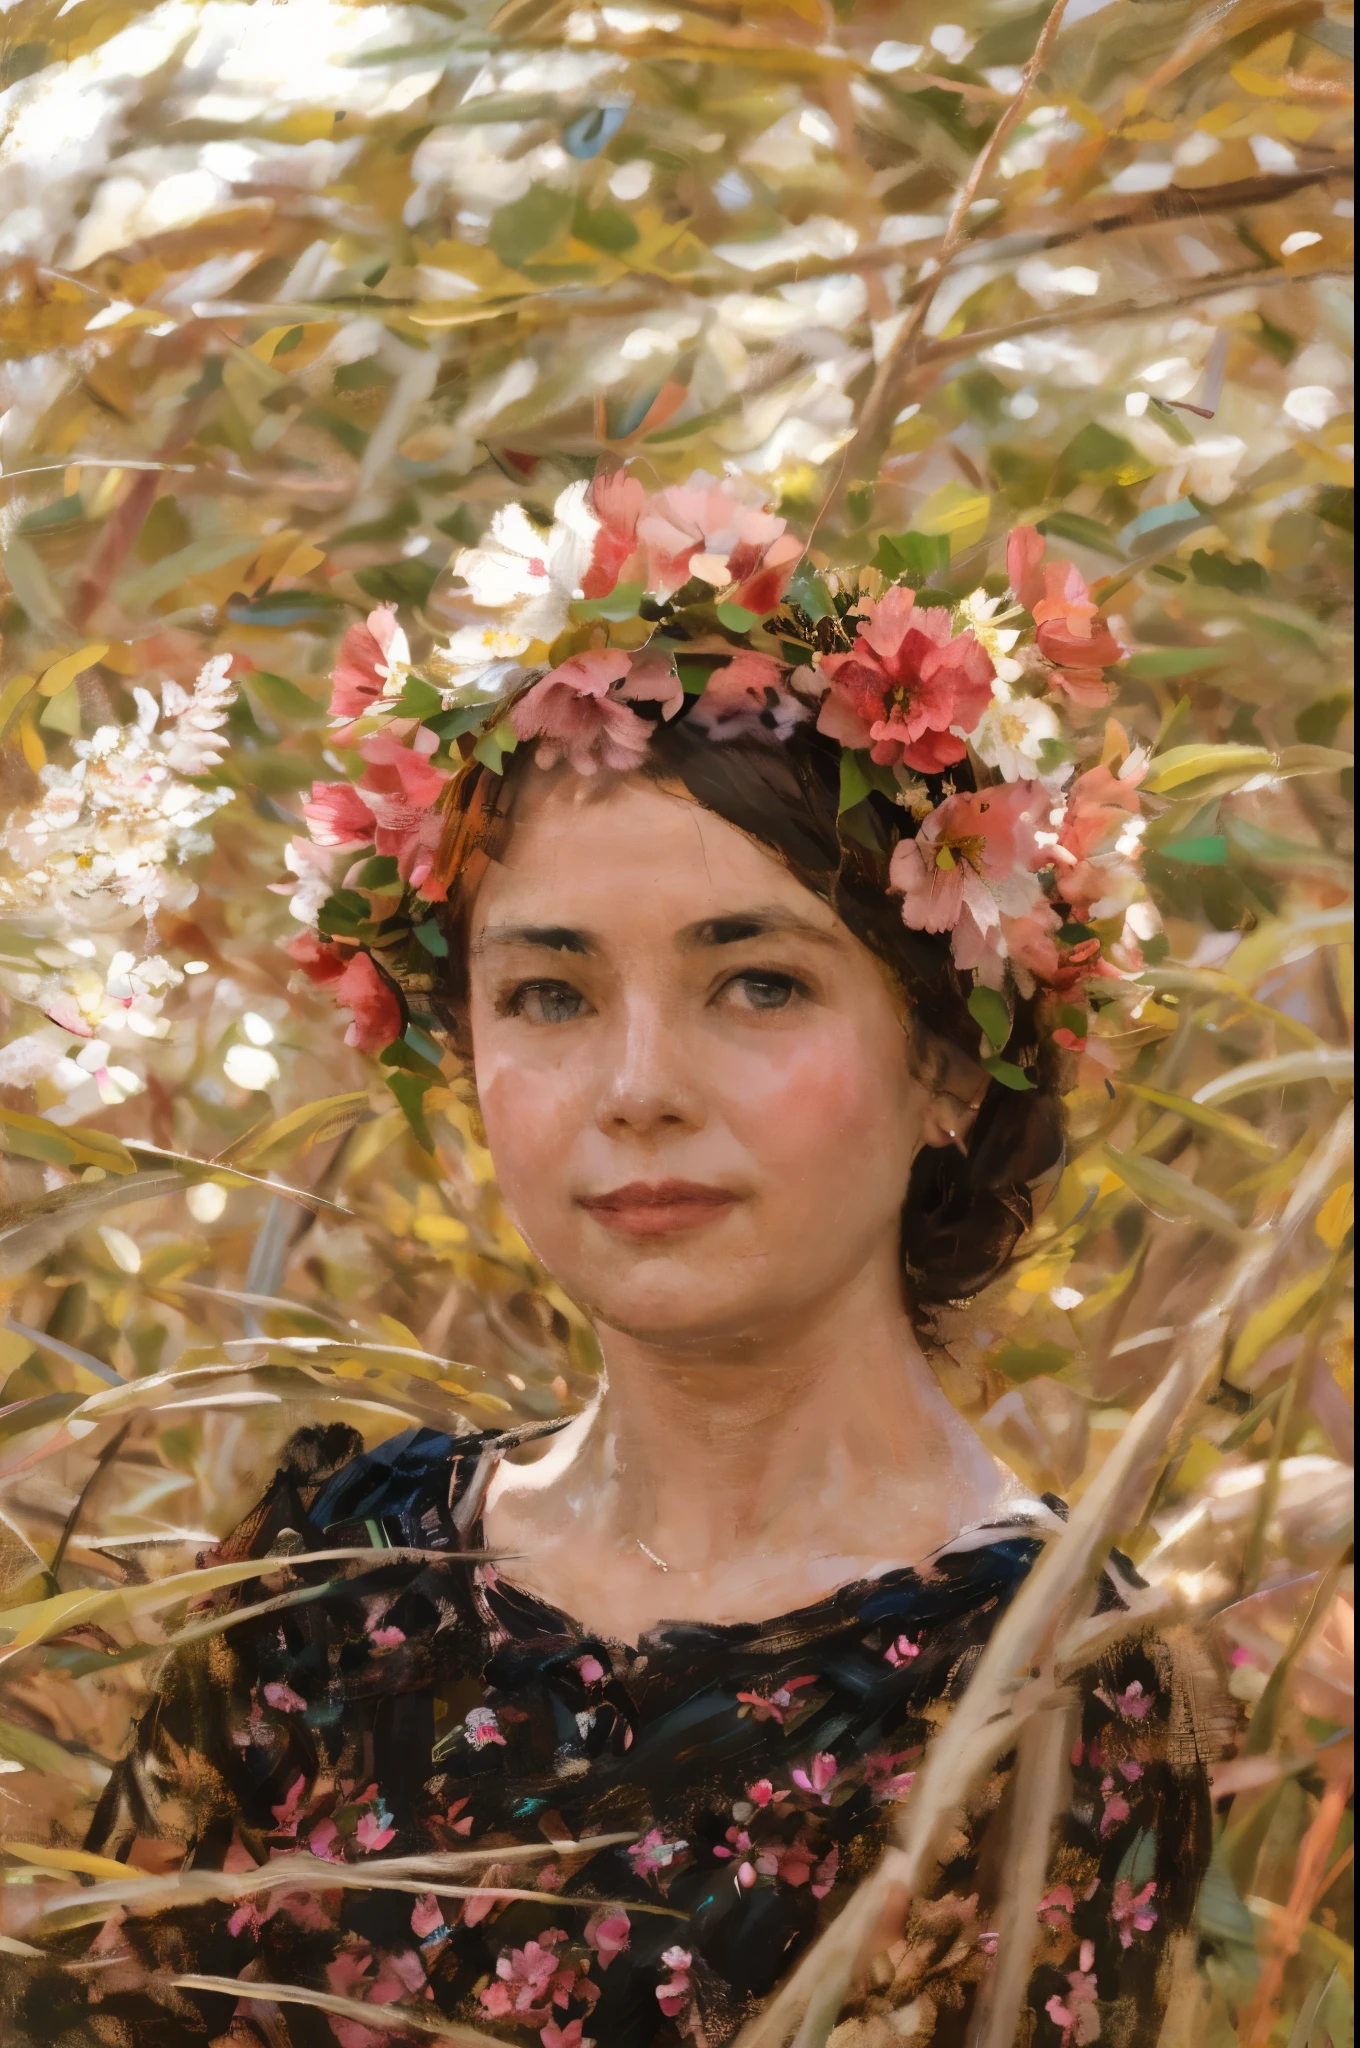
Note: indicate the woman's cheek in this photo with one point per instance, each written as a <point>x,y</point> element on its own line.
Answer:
<point>819,1098</point>
<point>530,1123</point>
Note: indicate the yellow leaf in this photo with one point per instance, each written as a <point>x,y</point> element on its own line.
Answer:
<point>34,752</point>
<point>1336,1216</point>
<point>83,1860</point>
<point>441,1233</point>
<point>1223,1125</point>
<point>1261,1329</point>
<point>1260,83</point>
<point>1298,124</point>
<point>1190,764</point>
<point>312,1124</point>
<point>1169,1194</point>
<point>11,697</point>
<point>55,679</point>
<point>957,510</point>
<point>302,561</point>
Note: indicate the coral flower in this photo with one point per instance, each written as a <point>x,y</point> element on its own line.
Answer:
<point>744,696</point>
<point>704,529</point>
<point>401,788</point>
<point>373,660</point>
<point>909,687</point>
<point>573,714</point>
<point>618,502</point>
<point>373,1001</point>
<point>320,963</point>
<point>1071,634</point>
<point>973,860</point>
<point>1095,876</point>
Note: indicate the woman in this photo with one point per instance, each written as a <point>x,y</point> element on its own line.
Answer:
<point>669,1666</point>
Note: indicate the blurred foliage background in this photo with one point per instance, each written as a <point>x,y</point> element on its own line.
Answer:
<point>294,296</point>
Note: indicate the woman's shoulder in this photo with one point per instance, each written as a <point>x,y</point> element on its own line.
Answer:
<point>329,1492</point>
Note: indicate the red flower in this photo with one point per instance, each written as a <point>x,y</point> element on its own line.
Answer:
<point>321,963</point>
<point>373,1001</point>
<point>618,502</point>
<point>572,714</point>
<point>906,682</point>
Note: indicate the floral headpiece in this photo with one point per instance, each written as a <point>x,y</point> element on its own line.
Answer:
<point>696,601</point>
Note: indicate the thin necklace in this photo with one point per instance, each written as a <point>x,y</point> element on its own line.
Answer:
<point>659,1562</point>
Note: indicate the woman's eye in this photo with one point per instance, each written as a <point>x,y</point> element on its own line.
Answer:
<point>547,1002</point>
<point>763,990</point>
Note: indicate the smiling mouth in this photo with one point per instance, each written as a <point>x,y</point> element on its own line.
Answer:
<point>658,1208</point>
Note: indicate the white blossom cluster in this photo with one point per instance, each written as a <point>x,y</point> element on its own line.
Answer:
<point>113,831</point>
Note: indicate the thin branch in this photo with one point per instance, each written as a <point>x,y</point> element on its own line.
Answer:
<point>862,454</point>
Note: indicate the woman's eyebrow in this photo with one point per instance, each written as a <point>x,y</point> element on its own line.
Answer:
<point>554,938</point>
<point>732,929</point>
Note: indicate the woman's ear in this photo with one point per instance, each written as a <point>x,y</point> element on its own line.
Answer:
<point>955,1085</point>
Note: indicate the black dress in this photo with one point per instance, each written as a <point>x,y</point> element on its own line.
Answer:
<point>749,1773</point>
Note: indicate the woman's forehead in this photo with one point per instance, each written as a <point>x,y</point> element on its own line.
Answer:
<point>628,852</point>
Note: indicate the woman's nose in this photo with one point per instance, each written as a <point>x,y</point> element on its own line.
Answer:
<point>651,1084</point>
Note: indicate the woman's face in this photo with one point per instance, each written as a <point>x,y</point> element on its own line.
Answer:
<point>695,1081</point>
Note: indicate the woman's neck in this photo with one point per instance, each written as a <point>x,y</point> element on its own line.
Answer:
<point>753,1473</point>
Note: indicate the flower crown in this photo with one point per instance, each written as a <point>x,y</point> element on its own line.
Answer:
<point>696,601</point>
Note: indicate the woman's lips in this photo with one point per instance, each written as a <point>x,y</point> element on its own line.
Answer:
<point>658,1208</point>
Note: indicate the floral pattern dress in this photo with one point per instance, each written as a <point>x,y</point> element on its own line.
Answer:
<point>740,1780</point>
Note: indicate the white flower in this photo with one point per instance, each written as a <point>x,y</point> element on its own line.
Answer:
<point>1010,735</point>
<point>531,575</point>
<point>316,868</point>
<point>251,1066</point>
<point>986,616</point>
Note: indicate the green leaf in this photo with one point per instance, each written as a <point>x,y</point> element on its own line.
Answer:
<point>855,784</point>
<point>1169,1194</point>
<point>283,698</point>
<point>808,591</point>
<point>621,603</point>
<point>737,619</point>
<point>1021,1362</point>
<point>1082,532</point>
<point>605,227</point>
<point>917,556</point>
<point>33,1137</point>
<point>521,229</point>
<point>1220,1122</point>
<point>1220,572</point>
<point>988,1010</point>
<point>432,939</point>
<point>410,1091</point>
<point>404,582</point>
<point>313,1123</point>
<point>1095,455</point>
<point>492,748</point>
<point>1205,853</point>
<point>419,699</point>
<point>379,873</point>
<point>1008,1074</point>
<point>1151,664</point>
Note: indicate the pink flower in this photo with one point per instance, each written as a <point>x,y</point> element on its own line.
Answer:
<point>762,1793</point>
<point>1133,1910</point>
<point>607,1934</point>
<point>284,1699</point>
<point>427,1916</point>
<point>571,713</point>
<point>906,683</point>
<point>1079,2014</point>
<point>902,1651</point>
<point>618,502</point>
<point>386,1638</point>
<point>973,860</point>
<point>322,1841</point>
<point>821,1777</point>
<point>654,1853</point>
<point>373,1002</point>
<point>372,1835</point>
<point>591,1669</point>
<point>481,1727</point>
<point>569,2036</point>
<point>884,1779</point>
<point>673,1995</point>
<point>824,1876</point>
<point>1071,634</point>
<point>372,655</point>
<point>337,815</point>
<point>705,529</point>
<point>652,679</point>
<point>1057,1906</point>
<point>530,1980</point>
<point>778,1703</point>
<point>401,787</point>
<point>245,1920</point>
<point>1116,1808</point>
<point>287,1814</point>
<point>744,696</point>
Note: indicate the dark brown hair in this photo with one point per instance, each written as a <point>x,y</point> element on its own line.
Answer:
<point>963,1216</point>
